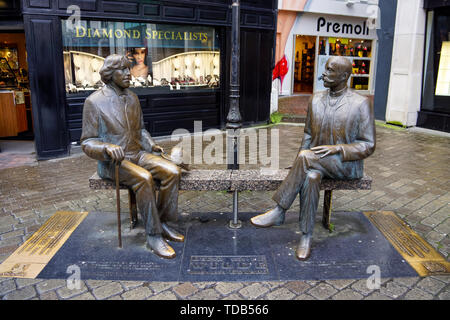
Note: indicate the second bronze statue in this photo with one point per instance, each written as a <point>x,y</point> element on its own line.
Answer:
<point>114,132</point>
<point>339,134</point>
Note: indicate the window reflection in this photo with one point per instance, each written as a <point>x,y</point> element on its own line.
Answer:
<point>174,56</point>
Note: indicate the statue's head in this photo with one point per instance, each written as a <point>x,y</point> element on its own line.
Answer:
<point>337,71</point>
<point>116,69</point>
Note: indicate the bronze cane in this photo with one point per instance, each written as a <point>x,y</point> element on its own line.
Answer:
<point>119,229</point>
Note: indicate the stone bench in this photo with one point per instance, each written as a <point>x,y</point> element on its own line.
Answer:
<point>240,180</point>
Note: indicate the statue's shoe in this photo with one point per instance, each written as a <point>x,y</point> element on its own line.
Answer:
<point>274,217</point>
<point>160,247</point>
<point>171,234</point>
<point>304,247</point>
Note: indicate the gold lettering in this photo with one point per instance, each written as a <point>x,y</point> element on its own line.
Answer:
<point>96,33</point>
<point>108,33</point>
<point>84,32</point>
<point>89,32</point>
<point>118,33</point>
<point>136,34</point>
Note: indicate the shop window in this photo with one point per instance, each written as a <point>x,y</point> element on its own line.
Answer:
<point>436,75</point>
<point>443,78</point>
<point>175,57</point>
<point>359,51</point>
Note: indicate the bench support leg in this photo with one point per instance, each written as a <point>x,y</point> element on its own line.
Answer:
<point>133,208</point>
<point>327,209</point>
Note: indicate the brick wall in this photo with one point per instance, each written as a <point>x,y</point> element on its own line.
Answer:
<point>297,105</point>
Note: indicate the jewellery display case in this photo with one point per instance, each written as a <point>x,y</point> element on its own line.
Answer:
<point>9,52</point>
<point>188,69</point>
<point>81,71</point>
<point>180,71</point>
<point>8,78</point>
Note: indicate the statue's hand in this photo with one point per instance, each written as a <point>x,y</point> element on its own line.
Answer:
<point>115,152</point>
<point>326,150</point>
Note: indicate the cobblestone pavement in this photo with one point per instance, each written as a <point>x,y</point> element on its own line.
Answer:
<point>411,177</point>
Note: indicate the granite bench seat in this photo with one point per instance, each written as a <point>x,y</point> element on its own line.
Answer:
<point>241,180</point>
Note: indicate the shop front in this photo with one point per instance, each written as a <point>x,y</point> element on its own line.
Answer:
<point>16,121</point>
<point>309,32</point>
<point>180,53</point>
<point>312,32</point>
<point>435,106</point>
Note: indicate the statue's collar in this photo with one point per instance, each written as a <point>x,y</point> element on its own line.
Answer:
<point>109,90</point>
<point>339,93</point>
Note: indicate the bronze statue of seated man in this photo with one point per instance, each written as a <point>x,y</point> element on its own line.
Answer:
<point>339,134</point>
<point>113,132</point>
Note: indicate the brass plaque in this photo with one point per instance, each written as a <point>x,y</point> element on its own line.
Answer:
<point>413,248</point>
<point>32,256</point>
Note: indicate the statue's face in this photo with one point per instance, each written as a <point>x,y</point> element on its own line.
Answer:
<point>122,77</point>
<point>332,76</point>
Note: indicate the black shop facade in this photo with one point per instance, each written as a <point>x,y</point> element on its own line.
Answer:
<point>180,53</point>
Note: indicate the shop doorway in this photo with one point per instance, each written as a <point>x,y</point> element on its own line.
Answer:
<point>304,64</point>
<point>16,120</point>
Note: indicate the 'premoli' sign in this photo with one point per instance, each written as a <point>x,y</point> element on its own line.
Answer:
<point>343,28</point>
<point>333,26</point>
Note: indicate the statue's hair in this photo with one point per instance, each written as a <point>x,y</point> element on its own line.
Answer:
<point>111,64</point>
<point>344,64</point>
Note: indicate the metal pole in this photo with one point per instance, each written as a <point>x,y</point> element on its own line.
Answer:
<point>235,223</point>
<point>234,116</point>
<point>234,120</point>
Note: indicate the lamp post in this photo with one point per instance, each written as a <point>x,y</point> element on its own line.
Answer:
<point>234,120</point>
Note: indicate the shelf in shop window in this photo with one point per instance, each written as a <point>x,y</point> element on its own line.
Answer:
<point>360,75</point>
